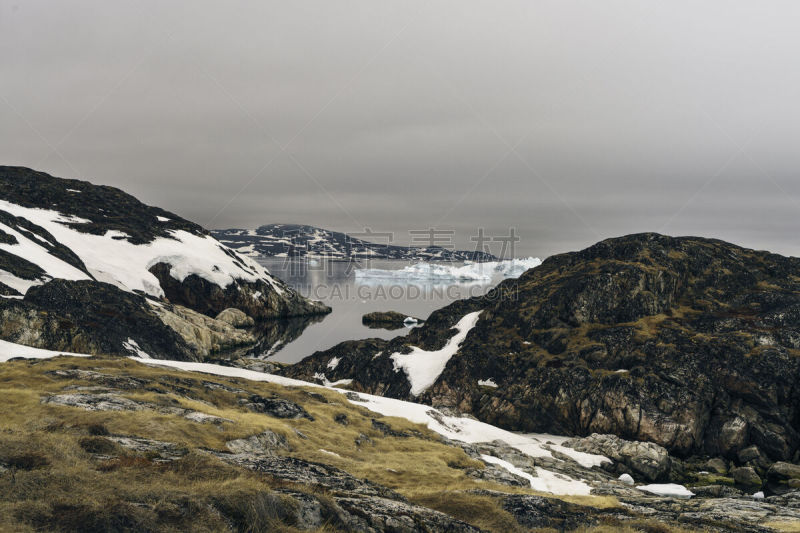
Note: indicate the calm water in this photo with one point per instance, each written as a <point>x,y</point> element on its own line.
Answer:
<point>335,284</point>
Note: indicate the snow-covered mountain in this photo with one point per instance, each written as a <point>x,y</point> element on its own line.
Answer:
<point>296,240</point>
<point>88,235</point>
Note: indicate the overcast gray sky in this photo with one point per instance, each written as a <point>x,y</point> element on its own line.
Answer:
<point>571,121</point>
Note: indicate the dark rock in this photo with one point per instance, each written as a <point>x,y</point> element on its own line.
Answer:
<point>88,317</point>
<point>341,418</point>
<point>747,476</point>
<point>751,453</point>
<point>363,439</point>
<point>782,477</point>
<point>716,491</point>
<point>277,407</point>
<point>717,465</point>
<point>388,320</point>
<point>387,430</point>
<point>538,512</point>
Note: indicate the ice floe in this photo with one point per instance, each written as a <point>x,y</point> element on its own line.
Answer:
<point>444,273</point>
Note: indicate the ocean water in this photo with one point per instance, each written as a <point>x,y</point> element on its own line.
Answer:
<point>350,297</point>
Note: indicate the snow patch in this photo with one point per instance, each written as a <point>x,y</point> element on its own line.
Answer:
<point>10,350</point>
<point>163,219</point>
<point>330,453</point>
<point>133,347</point>
<point>112,258</point>
<point>545,480</point>
<point>333,363</point>
<point>626,479</point>
<point>669,490</point>
<point>423,367</point>
<point>487,383</point>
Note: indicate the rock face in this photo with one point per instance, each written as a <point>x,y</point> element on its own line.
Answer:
<point>691,343</point>
<point>54,232</point>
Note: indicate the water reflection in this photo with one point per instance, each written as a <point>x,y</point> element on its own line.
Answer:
<point>334,284</point>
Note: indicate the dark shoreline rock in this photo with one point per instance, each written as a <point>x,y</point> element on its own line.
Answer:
<point>389,320</point>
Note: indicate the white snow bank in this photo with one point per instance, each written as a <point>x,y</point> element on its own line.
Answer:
<point>117,261</point>
<point>627,479</point>
<point>545,480</point>
<point>423,367</point>
<point>669,490</point>
<point>10,350</point>
<point>487,383</point>
<point>436,272</point>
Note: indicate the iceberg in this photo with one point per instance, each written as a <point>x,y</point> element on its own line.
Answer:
<point>442,273</point>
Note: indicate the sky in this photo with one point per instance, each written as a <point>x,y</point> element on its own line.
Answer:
<point>568,121</point>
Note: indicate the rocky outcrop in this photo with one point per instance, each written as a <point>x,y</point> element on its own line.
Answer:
<point>98,318</point>
<point>257,299</point>
<point>388,320</point>
<point>235,318</point>
<point>644,459</point>
<point>691,343</point>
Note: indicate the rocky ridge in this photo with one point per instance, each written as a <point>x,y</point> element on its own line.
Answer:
<point>301,241</point>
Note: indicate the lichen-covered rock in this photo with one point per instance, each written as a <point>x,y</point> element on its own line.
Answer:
<point>235,318</point>
<point>277,407</point>
<point>747,476</point>
<point>265,443</point>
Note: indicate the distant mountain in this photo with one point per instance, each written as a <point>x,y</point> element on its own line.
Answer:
<point>297,240</point>
<point>88,268</point>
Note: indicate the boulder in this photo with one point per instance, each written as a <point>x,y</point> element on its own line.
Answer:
<point>716,465</point>
<point>262,444</point>
<point>746,475</point>
<point>751,453</point>
<point>783,476</point>
<point>235,318</point>
<point>647,459</point>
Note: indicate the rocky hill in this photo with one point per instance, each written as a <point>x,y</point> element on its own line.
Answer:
<point>89,268</point>
<point>687,342</point>
<point>299,241</point>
